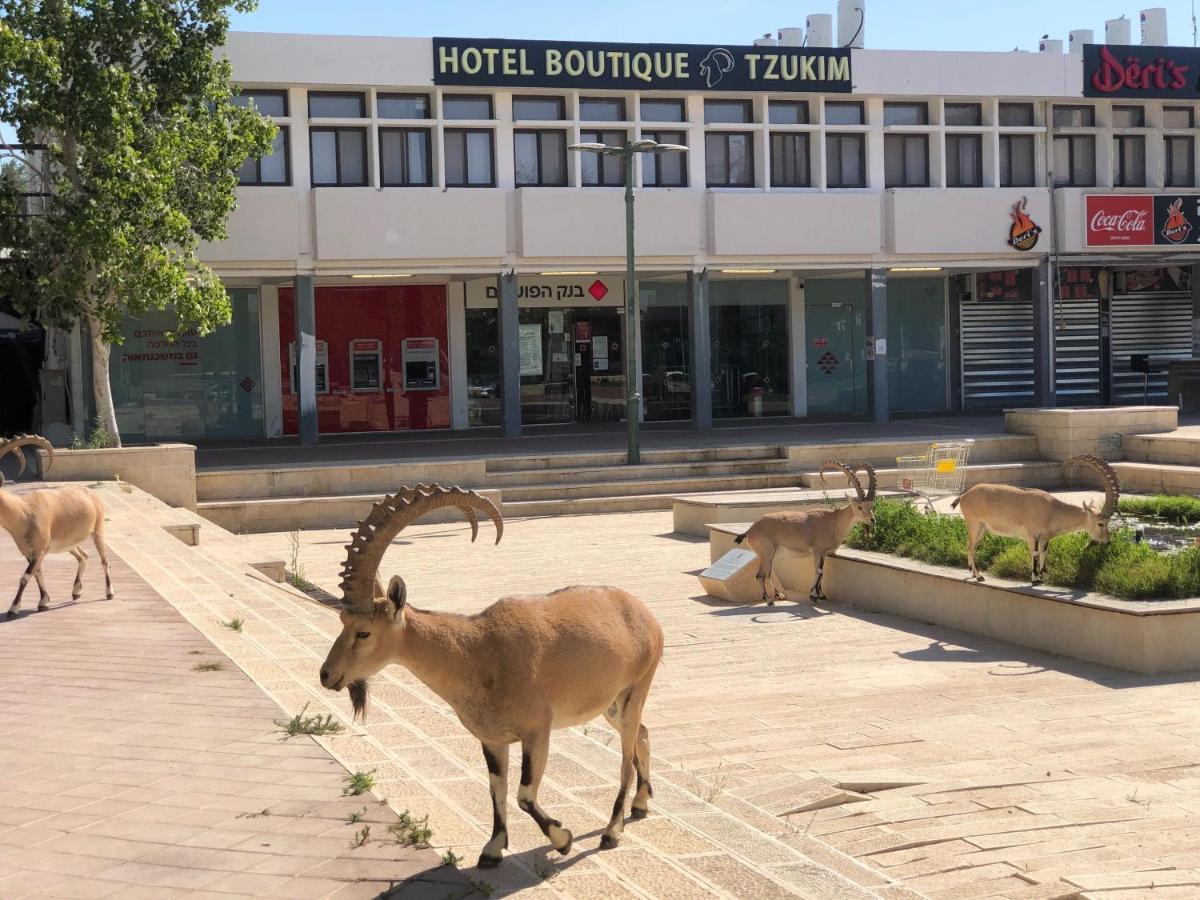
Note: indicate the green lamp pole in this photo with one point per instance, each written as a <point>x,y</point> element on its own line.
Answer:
<point>633,396</point>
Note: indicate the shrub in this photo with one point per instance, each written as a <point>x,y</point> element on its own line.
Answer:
<point>1176,510</point>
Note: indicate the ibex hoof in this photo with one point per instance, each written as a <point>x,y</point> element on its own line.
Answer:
<point>11,614</point>
<point>608,841</point>
<point>42,607</point>
<point>636,813</point>
<point>770,603</point>
<point>489,862</point>
<point>566,848</point>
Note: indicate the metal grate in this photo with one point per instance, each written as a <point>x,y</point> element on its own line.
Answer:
<point>1077,352</point>
<point>997,353</point>
<point>1157,324</point>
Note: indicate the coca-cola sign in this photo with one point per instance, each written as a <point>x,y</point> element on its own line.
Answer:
<point>1142,220</point>
<point>1121,70</point>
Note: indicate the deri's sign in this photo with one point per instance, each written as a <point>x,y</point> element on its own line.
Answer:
<point>1120,70</point>
<point>647,67</point>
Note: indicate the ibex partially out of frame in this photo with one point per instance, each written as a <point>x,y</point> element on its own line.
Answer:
<point>815,531</point>
<point>513,672</point>
<point>1034,515</point>
<point>51,520</point>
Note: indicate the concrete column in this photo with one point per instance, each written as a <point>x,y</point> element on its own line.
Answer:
<point>510,354</point>
<point>306,357</point>
<point>699,350</point>
<point>1043,335</point>
<point>796,347</point>
<point>877,329</point>
<point>456,316</point>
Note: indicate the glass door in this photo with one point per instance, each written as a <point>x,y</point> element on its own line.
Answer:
<point>916,319</point>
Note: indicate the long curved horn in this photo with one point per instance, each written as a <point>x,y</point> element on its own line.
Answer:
<point>12,445</point>
<point>837,466</point>
<point>872,479</point>
<point>387,519</point>
<point>1112,484</point>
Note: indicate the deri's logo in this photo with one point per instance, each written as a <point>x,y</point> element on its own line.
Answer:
<point>1023,233</point>
<point>1177,227</point>
<point>714,66</point>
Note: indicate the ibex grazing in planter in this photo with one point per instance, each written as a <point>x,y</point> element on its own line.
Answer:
<point>1034,515</point>
<point>513,672</point>
<point>815,531</point>
<point>51,520</point>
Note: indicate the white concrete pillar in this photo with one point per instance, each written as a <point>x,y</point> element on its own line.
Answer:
<point>456,327</point>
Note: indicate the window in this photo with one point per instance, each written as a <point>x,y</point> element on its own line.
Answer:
<point>402,106</point>
<point>1017,114</point>
<point>1016,160</point>
<point>906,160</point>
<point>464,106</point>
<point>537,109</point>
<point>789,160</point>
<point>1075,160</point>
<point>662,111</point>
<point>339,156</point>
<point>905,114</point>
<point>1179,161</point>
<point>541,158</point>
<point>964,160</point>
<point>843,113</point>
<point>602,109</point>
<point>274,168</point>
<point>664,169</point>
<point>404,157</point>
<point>788,112</point>
<point>737,112</point>
<point>469,158</point>
<point>1178,117</point>
<point>600,170</point>
<point>964,114</point>
<point>268,103</point>
<point>1074,117</point>
<point>1129,117</point>
<point>1129,161</point>
<point>729,159</point>
<point>336,105</point>
<point>845,160</point>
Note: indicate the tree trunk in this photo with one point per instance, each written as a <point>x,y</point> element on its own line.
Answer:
<point>106,415</point>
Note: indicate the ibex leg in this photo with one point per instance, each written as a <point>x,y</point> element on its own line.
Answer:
<point>98,540</point>
<point>975,532</point>
<point>819,567</point>
<point>81,556</point>
<point>32,570</point>
<point>535,749</point>
<point>496,756</point>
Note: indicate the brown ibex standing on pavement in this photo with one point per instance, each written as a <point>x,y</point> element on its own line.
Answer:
<point>815,531</point>
<point>513,672</point>
<point>51,520</point>
<point>1035,515</point>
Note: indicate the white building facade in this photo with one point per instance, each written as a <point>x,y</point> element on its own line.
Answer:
<point>851,233</point>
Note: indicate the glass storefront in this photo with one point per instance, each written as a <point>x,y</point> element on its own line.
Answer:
<point>748,323</point>
<point>916,320</point>
<point>834,333</point>
<point>666,375</point>
<point>193,387</point>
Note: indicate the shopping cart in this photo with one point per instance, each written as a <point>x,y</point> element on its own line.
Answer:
<point>939,473</point>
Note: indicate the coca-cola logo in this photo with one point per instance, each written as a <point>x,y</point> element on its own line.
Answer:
<point>1124,221</point>
<point>1131,73</point>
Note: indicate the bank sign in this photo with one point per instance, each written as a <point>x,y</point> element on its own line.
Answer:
<point>1127,71</point>
<point>1142,220</point>
<point>646,67</point>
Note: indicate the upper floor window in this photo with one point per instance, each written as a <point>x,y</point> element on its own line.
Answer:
<point>729,159</point>
<point>402,106</point>
<point>336,105</point>
<point>964,160</point>
<point>268,103</point>
<point>964,114</point>
<point>841,112</point>
<point>663,111</point>
<point>788,112</point>
<point>1075,160</point>
<point>1129,160</point>
<point>538,109</point>
<point>1016,114</point>
<point>404,157</point>
<point>1179,160</point>
<point>541,158</point>
<point>664,169</point>
<point>1179,117</point>
<point>845,161</point>
<point>906,160</point>
<point>469,158</point>
<point>1129,117</point>
<point>905,114</point>
<point>1016,160</point>
<point>466,106</point>
<point>602,109</point>
<point>789,159</point>
<point>339,156</point>
<point>600,169</point>
<point>1074,117</point>
<point>274,168</point>
<point>736,112</point>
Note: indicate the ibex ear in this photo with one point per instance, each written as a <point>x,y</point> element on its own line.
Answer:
<point>397,593</point>
<point>1089,505</point>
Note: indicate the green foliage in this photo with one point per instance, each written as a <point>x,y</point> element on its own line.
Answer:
<point>234,624</point>
<point>359,783</point>
<point>1121,568</point>
<point>209,667</point>
<point>97,439</point>
<point>411,831</point>
<point>1177,510</point>
<point>451,859</point>
<point>360,837</point>
<point>302,724</point>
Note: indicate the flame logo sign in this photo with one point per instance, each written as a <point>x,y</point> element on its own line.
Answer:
<point>1177,227</point>
<point>1023,233</point>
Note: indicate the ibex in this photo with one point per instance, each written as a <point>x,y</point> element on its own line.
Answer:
<point>513,672</point>
<point>815,531</point>
<point>1034,515</point>
<point>51,520</point>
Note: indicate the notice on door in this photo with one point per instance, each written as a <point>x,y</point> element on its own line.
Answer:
<point>531,349</point>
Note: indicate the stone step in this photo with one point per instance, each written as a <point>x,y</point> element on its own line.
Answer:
<point>883,452</point>
<point>1157,478</point>
<point>587,506</point>
<point>505,480</point>
<point>1168,449</point>
<point>636,486</point>
<point>617,457</point>
<point>1030,473</point>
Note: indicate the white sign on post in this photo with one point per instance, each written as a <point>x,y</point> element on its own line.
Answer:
<point>731,576</point>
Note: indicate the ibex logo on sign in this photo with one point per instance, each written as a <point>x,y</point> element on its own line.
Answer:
<point>1023,233</point>
<point>714,66</point>
<point>1177,228</point>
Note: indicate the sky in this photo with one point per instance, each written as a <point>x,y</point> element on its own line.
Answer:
<point>891,24</point>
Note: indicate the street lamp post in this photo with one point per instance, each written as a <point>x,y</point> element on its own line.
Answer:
<point>633,394</point>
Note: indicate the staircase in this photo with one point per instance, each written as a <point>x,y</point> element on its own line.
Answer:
<point>1161,463</point>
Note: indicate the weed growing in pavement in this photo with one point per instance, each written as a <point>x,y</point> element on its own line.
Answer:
<point>295,569</point>
<point>208,667</point>
<point>234,624</point>
<point>356,817</point>
<point>302,724</point>
<point>359,783</point>
<point>360,837</point>
<point>709,787</point>
<point>451,859</point>
<point>411,832</point>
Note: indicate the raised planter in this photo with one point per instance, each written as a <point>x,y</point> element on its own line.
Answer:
<point>1144,636</point>
<point>1069,431</point>
<point>168,471</point>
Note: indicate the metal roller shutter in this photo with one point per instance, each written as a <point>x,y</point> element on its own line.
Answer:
<point>1077,352</point>
<point>1157,324</point>
<point>997,353</point>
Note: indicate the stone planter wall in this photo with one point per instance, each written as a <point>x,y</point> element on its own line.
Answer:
<point>168,471</point>
<point>1066,432</point>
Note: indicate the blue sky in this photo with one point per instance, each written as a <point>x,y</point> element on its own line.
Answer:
<point>891,24</point>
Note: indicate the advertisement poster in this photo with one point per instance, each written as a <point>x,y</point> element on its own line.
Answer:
<point>531,349</point>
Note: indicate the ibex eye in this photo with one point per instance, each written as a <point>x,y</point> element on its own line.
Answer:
<point>362,635</point>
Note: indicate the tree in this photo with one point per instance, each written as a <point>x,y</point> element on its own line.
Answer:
<point>141,139</point>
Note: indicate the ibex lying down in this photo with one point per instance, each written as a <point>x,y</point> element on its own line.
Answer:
<point>1034,515</point>
<point>51,520</point>
<point>513,672</point>
<point>815,531</point>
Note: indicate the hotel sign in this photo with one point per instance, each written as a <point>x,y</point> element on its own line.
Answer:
<point>1127,71</point>
<point>646,67</point>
